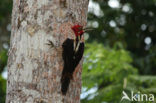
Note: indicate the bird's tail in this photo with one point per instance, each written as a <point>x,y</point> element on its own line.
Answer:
<point>65,81</point>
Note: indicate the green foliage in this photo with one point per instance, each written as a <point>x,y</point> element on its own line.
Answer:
<point>105,69</point>
<point>5,8</point>
<point>108,72</point>
<point>146,84</point>
<point>5,19</point>
<point>142,84</point>
<point>2,90</point>
<point>133,22</point>
<point>3,59</point>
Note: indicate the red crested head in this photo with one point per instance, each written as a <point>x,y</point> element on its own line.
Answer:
<point>78,30</point>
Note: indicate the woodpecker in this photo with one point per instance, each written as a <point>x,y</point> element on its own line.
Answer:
<point>72,53</point>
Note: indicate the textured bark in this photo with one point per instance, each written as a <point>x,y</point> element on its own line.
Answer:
<point>34,69</point>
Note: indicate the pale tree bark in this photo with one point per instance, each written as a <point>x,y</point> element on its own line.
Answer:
<point>34,69</point>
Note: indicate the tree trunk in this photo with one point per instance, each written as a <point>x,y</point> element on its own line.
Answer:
<point>34,68</point>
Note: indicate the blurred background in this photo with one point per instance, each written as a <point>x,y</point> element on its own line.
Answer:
<point>120,52</point>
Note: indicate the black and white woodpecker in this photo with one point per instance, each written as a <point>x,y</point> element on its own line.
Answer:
<point>72,53</point>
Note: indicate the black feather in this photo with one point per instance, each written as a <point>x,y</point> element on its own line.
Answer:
<point>71,60</point>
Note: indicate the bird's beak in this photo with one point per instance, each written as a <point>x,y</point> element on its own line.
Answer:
<point>87,29</point>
